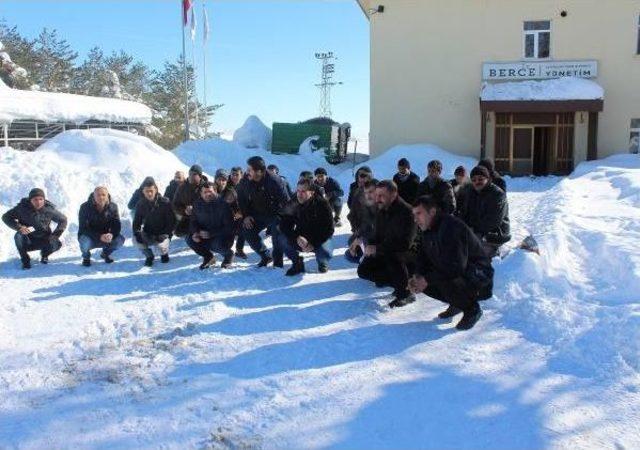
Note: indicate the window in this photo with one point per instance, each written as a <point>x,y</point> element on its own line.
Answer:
<point>634,136</point>
<point>537,39</point>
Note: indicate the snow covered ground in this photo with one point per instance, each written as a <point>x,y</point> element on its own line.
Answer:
<point>171,357</point>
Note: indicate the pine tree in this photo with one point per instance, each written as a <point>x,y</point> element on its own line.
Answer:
<point>22,54</point>
<point>54,62</point>
<point>88,78</point>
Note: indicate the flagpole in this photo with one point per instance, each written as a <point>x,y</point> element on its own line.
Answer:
<point>184,71</point>
<point>196,118</point>
<point>205,25</point>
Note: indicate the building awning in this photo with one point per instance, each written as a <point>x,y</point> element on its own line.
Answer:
<point>567,94</point>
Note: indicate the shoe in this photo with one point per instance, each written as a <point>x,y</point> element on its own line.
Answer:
<point>402,301</point>
<point>265,260</point>
<point>164,259</point>
<point>338,222</point>
<point>449,312</point>
<point>227,262</point>
<point>44,259</point>
<point>323,267</point>
<point>149,261</point>
<point>279,264</point>
<point>296,268</point>
<point>241,254</point>
<point>107,258</point>
<point>86,262</point>
<point>469,318</point>
<point>26,264</point>
<point>207,261</point>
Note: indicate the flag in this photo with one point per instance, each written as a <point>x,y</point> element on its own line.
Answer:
<point>193,24</point>
<point>205,25</point>
<point>186,6</point>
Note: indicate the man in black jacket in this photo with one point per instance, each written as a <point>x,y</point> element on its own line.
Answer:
<point>386,255</point>
<point>440,189</point>
<point>99,226</point>
<point>362,217</point>
<point>307,226</point>
<point>184,197</point>
<point>172,188</point>
<point>236,177</point>
<point>261,199</point>
<point>31,219</point>
<point>363,174</point>
<point>407,181</point>
<point>332,192</point>
<point>451,264</point>
<point>275,170</point>
<point>494,176</point>
<point>136,196</point>
<point>211,227</point>
<point>461,185</point>
<point>486,211</point>
<point>153,223</point>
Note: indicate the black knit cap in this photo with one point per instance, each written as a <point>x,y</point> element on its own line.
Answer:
<point>404,162</point>
<point>149,182</point>
<point>480,171</point>
<point>320,171</point>
<point>196,168</point>
<point>36,192</point>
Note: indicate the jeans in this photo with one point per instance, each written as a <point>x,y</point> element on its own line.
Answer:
<point>336,206</point>
<point>253,238</point>
<point>87,243</point>
<point>323,253</point>
<point>151,241</point>
<point>46,245</point>
<point>217,244</point>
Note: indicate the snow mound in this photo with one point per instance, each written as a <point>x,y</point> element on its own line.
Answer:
<point>568,88</point>
<point>253,134</point>
<point>70,165</point>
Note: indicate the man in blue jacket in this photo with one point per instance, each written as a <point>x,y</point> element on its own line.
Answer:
<point>211,227</point>
<point>99,226</point>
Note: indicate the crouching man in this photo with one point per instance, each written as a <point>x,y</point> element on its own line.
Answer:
<point>211,227</point>
<point>99,226</point>
<point>451,264</point>
<point>307,225</point>
<point>153,223</point>
<point>31,219</point>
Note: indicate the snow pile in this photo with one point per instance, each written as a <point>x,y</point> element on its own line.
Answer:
<point>567,88</point>
<point>581,295</point>
<point>71,164</point>
<point>17,104</point>
<point>253,134</point>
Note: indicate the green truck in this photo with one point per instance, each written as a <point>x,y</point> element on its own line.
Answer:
<point>333,137</point>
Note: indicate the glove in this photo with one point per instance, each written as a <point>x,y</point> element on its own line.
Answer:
<point>161,237</point>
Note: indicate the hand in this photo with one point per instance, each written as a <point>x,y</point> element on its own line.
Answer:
<point>302,242</point>
<point>370,250</point>
<point>237,216</point>
<point>188,210</point>
<point>196,237</point>
<point>205,234</point>
<point>417,284</point>
<point>106,238</point>
<point>248,222</point>
<point>23,230</point>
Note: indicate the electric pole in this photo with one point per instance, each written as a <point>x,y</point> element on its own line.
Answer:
<point>326,82</point>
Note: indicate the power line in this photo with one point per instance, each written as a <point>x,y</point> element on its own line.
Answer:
<point>326,82</point>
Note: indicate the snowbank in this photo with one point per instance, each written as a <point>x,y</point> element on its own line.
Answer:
<point>18,104</point>
<point>71,164</point>
<point>568,88</point>
<point>253,134</point>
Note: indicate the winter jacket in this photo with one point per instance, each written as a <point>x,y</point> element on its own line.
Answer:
<point>186,195</point>
<point>287,186</point>
<point>460,192</point>
<point>442,192</point>
<point>94,223</point>
<point>487,214</point>
<point>263,199</point>
<point>395,229</point>
<point>499,181</point>
<point>353,187</point>
<point>214,217</point>
<point>407,189</point>
<point>24,214</point>
<point>312,220</point>
<point>172,188</point>
<point>362,218</point>
<point>450,250</point>
<point>332,189</point>
<point>154,218</point>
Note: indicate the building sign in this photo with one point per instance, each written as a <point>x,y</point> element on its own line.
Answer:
<point>539,70</point>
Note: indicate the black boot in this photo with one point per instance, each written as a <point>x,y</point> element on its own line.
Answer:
<point>207,261</point>
<point>106,257</point>
<point>26,262</point>
<point>44,259</point>
<point>164,258</point>
<point>449,312</point>
<point>265,259</point>
<point>86,262</point>
<point>227,262</point>
<point>470,317</point>
<point>149,261</point>
<point>323,268</point>
<point>241,254</point>
<point>296,268</point>
<point>403,300</point>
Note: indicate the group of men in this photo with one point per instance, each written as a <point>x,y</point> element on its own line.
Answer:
<point>433,236</point>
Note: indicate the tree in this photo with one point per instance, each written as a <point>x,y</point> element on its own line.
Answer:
<point>22,54</point>
<point>89,76</point>
<point>53,63</point>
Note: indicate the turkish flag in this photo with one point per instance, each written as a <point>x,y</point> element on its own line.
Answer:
<point>186,6</point>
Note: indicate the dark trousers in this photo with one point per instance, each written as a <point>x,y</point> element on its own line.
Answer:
<point>253,238</point>
<point>46,245</point>
<point>87,243</point>
<point>336,206</point>
<point>457,292</point>
<point>206,247</point>
<point>390,270</point>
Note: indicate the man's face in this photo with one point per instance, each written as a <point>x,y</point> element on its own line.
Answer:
<point>461,179</point>
<point>303,194</point>
<point>179,177</point>
<point>321,179</point>
<point>403,170</point>
<point>273,171</point>
<point>222,183</point>
<point>208,193</point>
<point>433,172</point>
<point>150,192</point>
<point>37,202</point>
<point>363,177</point>
<point>194,178</point>
<point>479,182</point>
<point>423,218</point>
<point>255,175</point>
<point>370,196</point>
<point>101,197</point>
<point>236,176</point>
<point>384,198</point>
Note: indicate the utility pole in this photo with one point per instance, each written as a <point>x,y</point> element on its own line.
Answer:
<point>326,82</point>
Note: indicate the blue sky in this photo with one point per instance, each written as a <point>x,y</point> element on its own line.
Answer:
<point>260,56</point>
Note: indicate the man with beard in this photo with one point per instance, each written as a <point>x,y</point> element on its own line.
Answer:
<point>183,200</point>
<point>31,219</point>
<point>153,223</point>
<point>407,181</point>
<point>386,255</point>
<point>99,226</point>
<point>362,217</point>
<point>307,226</point>
<point>451,264</point>
<point>172,188</point>
<point>211,227</point>
<point>435,186</point>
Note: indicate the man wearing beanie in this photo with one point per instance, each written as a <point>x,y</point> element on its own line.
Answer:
<point>332,192</point>
<point>31,219</point>
<point>407,181</point>
<point>185,196</point>
<point>460,184</point>
<point>486,211</point>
